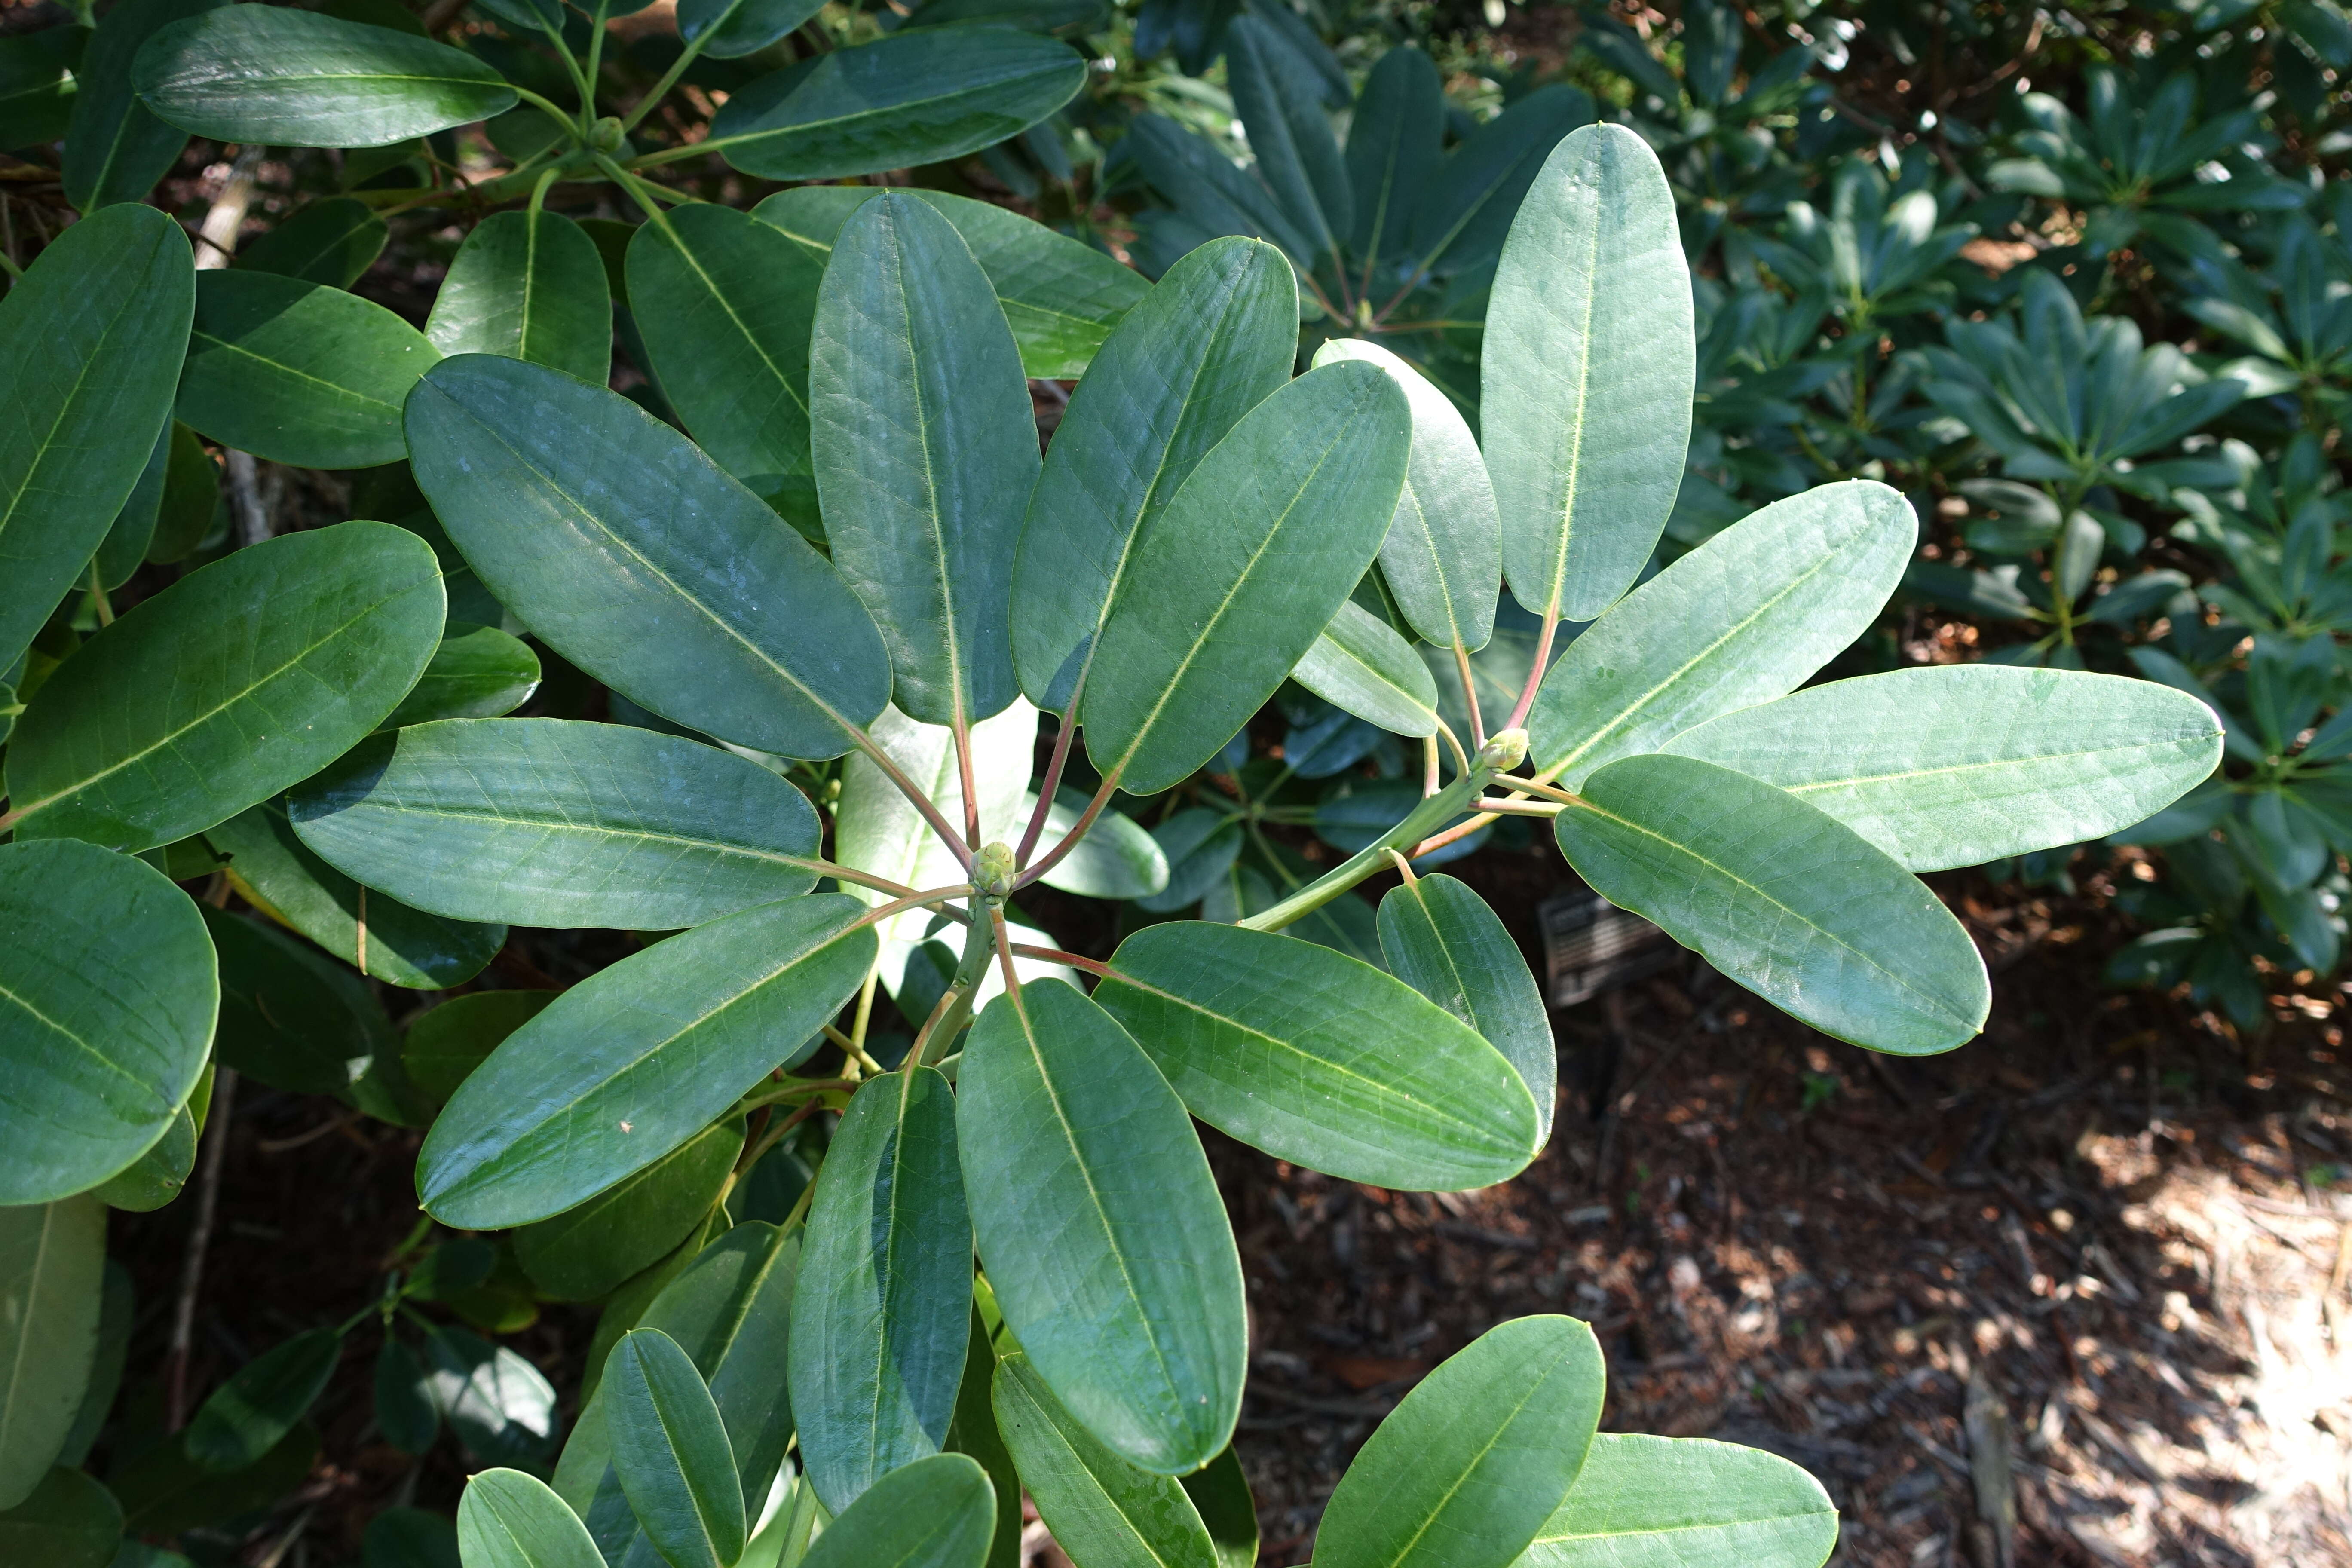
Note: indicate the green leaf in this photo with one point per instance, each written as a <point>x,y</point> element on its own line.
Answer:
<point>68,1520</point>
<point>738,27</point>
<point>973,1432</point>
<point>557,823</point>
<point>1116,859</point>
<point>1207,345</point>
<point>115,147</point>
<point>1103,1512</point>
<point>39,84</point>
<point>509,1520</point>
<point>1361,665</point>
<point>530,286</point>
<point>1665,1502</point>
<point>298,78</point>
<point>52,1261</point>
<point>1100,1227</point>
<point>878,1321</point>
<point>296,1020</point>
<point>1395,143</point>
<point>937,1513</point>
<point>116,1308</point>
<point>907,99</point>
<point>1781,897</point>
<point>724,304</point>
<point>190,501</point>
<point>631,554</point>
<point>1589,366</point>
<point>155,1178</point>
<point>585,1251</point>
<point>124,548</point>
<point>164,1492</point>
<point>1443,554</point>
<point>478,672</point>
<point>403,1408</point>
<point>1744,618</point>
<point>1209,193</point>
<point>299,373</point>
<point>1288,135</point>
<point>1320,1059</point>
<point>252,1411</point>
<point>670,1449</point>
<point>88,340</point>
<point>1958,765</point>
<point>107,1003</point>
<point>499,1405</point>
<point>1461,215</point>
<point>925,451</point>
<point>1463,1473</point>
<point>329,241</point>
<point>278,875</point>
<point>1222,1494</point>
<point>1440,939</point>
<point>1200,845</point>
<point>232,683</point>
<point>636,1059</point>
<point>1249,562</point>
<point>447,1043</point>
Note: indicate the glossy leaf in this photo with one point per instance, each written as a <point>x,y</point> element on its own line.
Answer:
<point>1320,1059</point>
<point>631,1062</point>
<point>478,672</point>
<point>1463,214</point>
<point>234,682</point>
<point>107,1005</point>
<point>1781,897</point>
<point>52,1261</point>
<point>115,147</point>
<point>509,1520</point>
<point>530,286</point>
<point>1744,618</point>
<point>554,823</point>
<point>886,1285</point>
<point>1463,1473</point>
<point>1116,859</point>
<point>1958,764</point>
<point>738,27</point>
<point>251,1413</point>
<point>1440,939</point>
<point>911,99</point>
<point>1360,664</point>
<point>937,1513</point>
<point>585,1251</point>
<point>1213,340</point>
<point>330,241</point>
<point>925,451</point>
<point>1665,1502</point>
<point>1103,1512</point>
<point>300,79</point>
<point>299,373</point>
<point>278,875</point>
<point>670,1449</point>
<point>68,1520</point>
<point>1395,141</point>
<point>1589,363</point>
<point>88,340</point>
<point>1100,1227</point>
<point>631,554</point>
<point>1443,554</point>
<point>724,304</point>
<point>448,1042</point>
<point>1250,561</point>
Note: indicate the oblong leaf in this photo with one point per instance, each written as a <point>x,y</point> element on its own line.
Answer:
<point>509,1520</point>
<point>251,1413</point>
<point>1462,216</point>
<point>925,451</point>
<point>530,286</point>
<point>1116,859</point>
<point>478,672</point>
<point>1664,1502</point>
<point>299,373</point>
<point>1742,619</point>
<point>738,27</point>
<point>1288,135</point>
<point>299,78</point>
<point>633,1061</point>
<point>1395,141</point>
<point>52,1267</point>
<point>1319,1058</point>
<point>69,1520</point>
<point>631,554</point>
<point>1958,764</point>
<point>295,1019</point>
<point>89,342</point>
<point>912,98</point>
<point>1781,897</point>
<point>586,1251</point>
<point>1463,1473</point>
<point>330,241</point>
<point>553,823</point>
<point>445,1043</point>
<point>1443,940</point>
<point>107,1002</point>
<point>1248,563</point>
<point>938,1512</point>
<point>671,1450</point>
<point>232,683</point>
<point>878,1320</point>
<point>1213,339</point>
<point>1103,1512</point>
<point>1100,1227</point>
<point>115,147</point>
<point>1589,363</point>
<point>1361,665</point>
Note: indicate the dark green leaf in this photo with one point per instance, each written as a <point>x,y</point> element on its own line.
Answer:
<point>252,1411</point>
<point>298,1020</point>
<point>1200,845</point>
<point>67,1522</point>
<point>125,545</point>
<point>410,1538</point>
<point>738,27</point>
<point>1395,145</point>
<point>116,1308</point>
<point>1288,135</point>
<point>450,1041</point>
<point>478,672</point>
<point>1440,939</point>
<point>671,1450</point>
<point>403,1408</point>
<point>530,286</point>
<point>39,84</point>
<point>52,1263</point>
<point>1461,215</point>
<point>232,683</point>
<point>1665,1502</point>
<point>1103,1512</point>
<point>330,241</point>
<point>191,498</point>
<point>586,1251</point>
<point>156,1177</point>
<point>973,1432</point>
<point>115,147</point>
<point>164,1492</point>
<point>553,823</point>
<point>1221,1494</point>
<point>937,1513</point>
<point>509,1520</point>
<point>1210,195</point>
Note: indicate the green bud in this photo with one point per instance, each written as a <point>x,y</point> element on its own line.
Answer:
<point>992,872</point>
<point>606,135</point>
<point>1504,749</point>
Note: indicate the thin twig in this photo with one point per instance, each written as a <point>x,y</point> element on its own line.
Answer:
<point>961,733</point>
<point>1046,790</point>
<point>1055,955</point>
<point>200,1235</point>
<point>1004,952</point>
<point>1535,672</point>
<point>1469,693</point>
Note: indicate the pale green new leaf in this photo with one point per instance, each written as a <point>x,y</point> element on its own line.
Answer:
<point>509,1520</point>
<point>1440,939</point>
<point>937,1513</point>
<point>671,1450</point>
<point>1360,664</point>
<point>1103,1512</point>
<point>1589,364</point>
<point>1781,897</point>
<point>529,285</point>
<point>1670,1502</point>
<point>52,1261</point>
